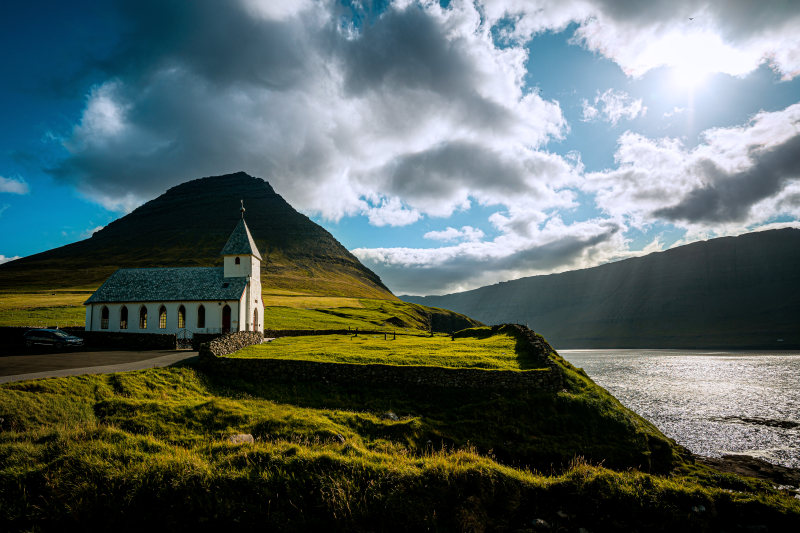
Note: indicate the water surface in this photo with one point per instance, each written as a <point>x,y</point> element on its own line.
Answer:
<point>711,402</point>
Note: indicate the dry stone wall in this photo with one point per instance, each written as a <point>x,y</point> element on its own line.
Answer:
<point>227,344</point>
<point>351,374</point>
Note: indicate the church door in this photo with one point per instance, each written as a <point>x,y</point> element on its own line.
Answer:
<point>226,319</point>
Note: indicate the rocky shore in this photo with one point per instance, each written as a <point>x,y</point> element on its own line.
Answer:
<point>744,465</point>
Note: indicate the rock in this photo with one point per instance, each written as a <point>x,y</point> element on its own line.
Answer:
<point>540,524</point>
<point>699,509</point>
<point>389,415</point>
<point>241,438</point>
<point>340,438</point>
<point>562,514</point>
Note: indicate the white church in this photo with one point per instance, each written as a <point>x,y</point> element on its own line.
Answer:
<point>185,301</point>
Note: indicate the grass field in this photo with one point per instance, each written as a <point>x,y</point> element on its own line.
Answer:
<point>43,308</point>
<point>151,447</point>
<point>284,309</point>
<point>496,352</point>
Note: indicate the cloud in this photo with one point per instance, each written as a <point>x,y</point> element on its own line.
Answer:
<point>674,111</point>
<point>467,233</point>
<point>716,185</point>
<point>414,111</point>
<point>391,213</point>
<point>729,36</point>
<point>554,246</point>
<point>91,231</point>
<point>6,259</point>
<point>612,106</point>
<point>13,186</point>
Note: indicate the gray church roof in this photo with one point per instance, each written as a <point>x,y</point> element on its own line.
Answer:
<point>240,242</point>
<point>168,284</point>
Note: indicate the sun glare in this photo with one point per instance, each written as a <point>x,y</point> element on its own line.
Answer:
<point>689,77</point>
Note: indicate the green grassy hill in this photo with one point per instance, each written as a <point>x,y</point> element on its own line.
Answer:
<point>152,449</point>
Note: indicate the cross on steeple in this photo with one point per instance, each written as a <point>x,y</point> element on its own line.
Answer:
<point>242,209</point>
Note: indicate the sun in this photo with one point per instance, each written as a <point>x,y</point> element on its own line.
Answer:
<point>689,77</point>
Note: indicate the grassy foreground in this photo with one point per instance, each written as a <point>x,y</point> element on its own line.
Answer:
<point>152,447</point>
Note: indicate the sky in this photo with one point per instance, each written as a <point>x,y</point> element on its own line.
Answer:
<point>448,145</point>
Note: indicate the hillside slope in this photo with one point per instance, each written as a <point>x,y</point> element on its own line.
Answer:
<point>188,226</point>
<point>728,292</point>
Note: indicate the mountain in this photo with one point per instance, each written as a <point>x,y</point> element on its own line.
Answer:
<point>187,226</point>
<point>731,292</point>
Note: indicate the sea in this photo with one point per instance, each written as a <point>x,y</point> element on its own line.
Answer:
<point>712,402</point>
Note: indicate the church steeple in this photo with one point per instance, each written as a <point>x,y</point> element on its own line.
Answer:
<point>240,253</point>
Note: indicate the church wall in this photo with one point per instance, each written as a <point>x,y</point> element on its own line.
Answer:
<point>213,311</point>
<point>248,265</point>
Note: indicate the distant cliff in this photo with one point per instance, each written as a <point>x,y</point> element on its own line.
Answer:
<point>731,292</point>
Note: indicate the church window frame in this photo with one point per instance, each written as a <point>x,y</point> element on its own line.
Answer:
<point>237,261</point>
<point>104,317</point>
<point>143,317</point>
<point>123,317</point>
<point>162,317</point>
<point>181,317</point>
<point>201,316</point>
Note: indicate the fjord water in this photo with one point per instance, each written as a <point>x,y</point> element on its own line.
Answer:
<point>711,402</point>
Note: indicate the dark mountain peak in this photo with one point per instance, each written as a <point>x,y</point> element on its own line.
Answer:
<point>239,180</point>
<point>190,223</point>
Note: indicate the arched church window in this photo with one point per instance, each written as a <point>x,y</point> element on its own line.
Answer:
<point>143,318</point>
<point>104,318</point>
<point>201,317</point>
<point>237,261</point>
<point>162,318</point>
<point>255,319</point>
<point>226,319</point>
<point>123,318</point>
<point>181,317</point>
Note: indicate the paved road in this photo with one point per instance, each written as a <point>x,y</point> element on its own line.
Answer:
<point>34,366</point>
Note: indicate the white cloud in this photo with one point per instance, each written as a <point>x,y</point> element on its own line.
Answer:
<point>612,106</point>
<point>554,246</point>
<point>391,213</point>
<point>736,178</point>
<point>467,233</point>
<point>91,231</point>
<point>13,186</point>
<point>417,105</point>
<point>6,259</point>
<point>729,36</point>
<point>674,111</point>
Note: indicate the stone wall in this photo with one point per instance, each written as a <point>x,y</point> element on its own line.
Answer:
<point>229,343</point>
<point>351,374</point>
<point>198,339</point>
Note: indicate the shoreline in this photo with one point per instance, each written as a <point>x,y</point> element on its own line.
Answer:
<point>745,465</point>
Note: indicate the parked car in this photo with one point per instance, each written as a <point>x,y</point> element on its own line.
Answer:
<point>56,338</point>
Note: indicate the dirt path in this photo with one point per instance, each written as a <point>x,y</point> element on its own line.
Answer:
<point>22,367</point>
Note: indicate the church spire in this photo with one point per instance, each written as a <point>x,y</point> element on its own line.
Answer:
<point>241,241</point>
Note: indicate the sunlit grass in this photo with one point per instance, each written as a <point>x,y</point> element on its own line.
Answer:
<point>496,352</point>
<point>152,446</point>
<point>42,308</point>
